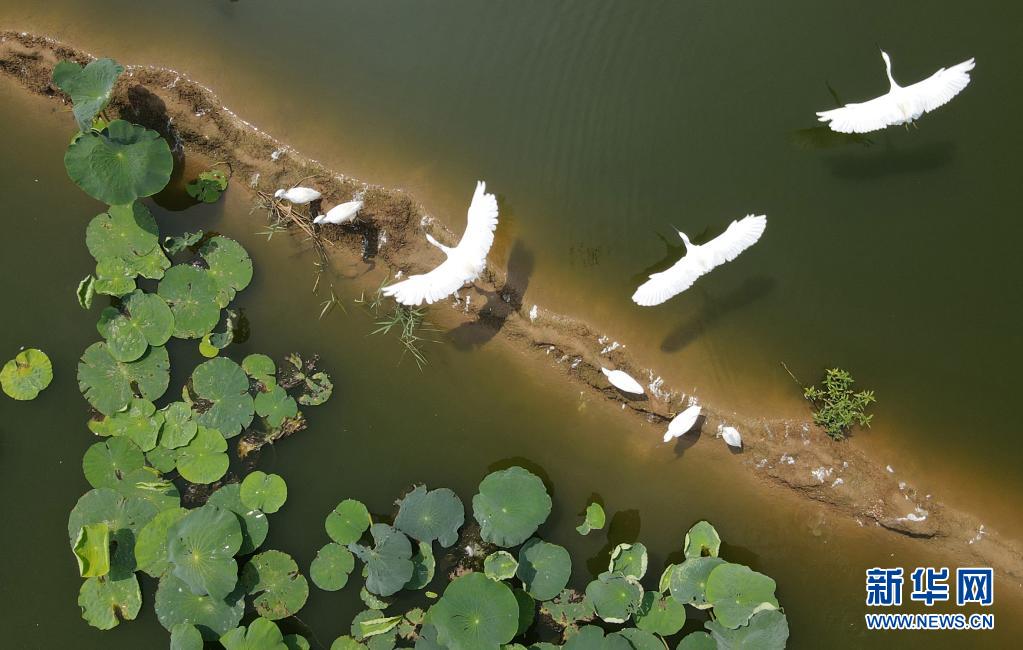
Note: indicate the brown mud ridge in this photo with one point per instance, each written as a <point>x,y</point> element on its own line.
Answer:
<point>793,454</point>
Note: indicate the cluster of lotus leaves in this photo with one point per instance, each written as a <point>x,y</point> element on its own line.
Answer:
<point>124,241</point>
<point>26,375</point>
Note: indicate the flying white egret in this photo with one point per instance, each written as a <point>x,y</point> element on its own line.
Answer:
<point>700,259</point>
<point>298,195</point>
<point>464,262</point>
<point>682,423</point>
<point>622,381</point>
<point>900,105</point>
<point>731,436</point>
<point>340,214</point>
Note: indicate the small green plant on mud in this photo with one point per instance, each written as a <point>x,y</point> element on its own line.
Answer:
<point>409,322</point>
<point>837,406</point>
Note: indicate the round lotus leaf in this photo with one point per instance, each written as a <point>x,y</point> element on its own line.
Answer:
<point>544,568</point>
<point>331,567</point>
<point>591,637</point>
<point>255,525</point>
<point>388,563</point>
<point>736,592</point>
<point>266,492</point>
<point>225,385</point>
<point>179,427</point>
<point>109,384</point>
<point>660,615</point>
<point>106,463</point>
<point>144,320</point>
<point>88,87</point>
<point>106,601</point>
<point>204,460</point>
<point>92,550</point>
<point>423,566</point>
<point>262,634</point>
<point>348,643</point>
<point>186,637</point>
<point>127,232</point>
<point>348,521</point>
<point>568,608</point>
<point>688,581</point>
<point>162,459</point>
<point>640,639</point>
<point>767,630</point>
<point>201,549</point>
<point>296,642</point>
<point>140,423</point>
<point>276,406</point>
<point>702,539</point>
<point>120,163</point>
<point>176,604</point>
<point>510,506</point>
<point>27,374</point>
<point>594,519</point>
<point>124,516</point>
<point>629,559</point>
<point>475,613</point>
<point>697,641</point>
<point>260,367</point>
<point>151,543</point>
<point>431,515</point>
<point>280,590</point>
<point>229,266</point>
<point>146,484</point>
<point>114,277</point>
<point>191,294</point>
<point>615,597</point>
<point>500,565</point>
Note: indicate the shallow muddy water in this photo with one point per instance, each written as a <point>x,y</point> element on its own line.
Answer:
<point>598,125</point>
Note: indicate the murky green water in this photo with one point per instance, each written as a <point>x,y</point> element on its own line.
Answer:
<point>598,124</point>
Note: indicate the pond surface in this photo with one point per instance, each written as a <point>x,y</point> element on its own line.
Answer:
<point>599,124</point>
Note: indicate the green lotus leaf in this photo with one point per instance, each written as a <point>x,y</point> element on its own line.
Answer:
<point>27,374</point>
<point>296,642</point>
<point>201,549</point>
<point>660,615</point>
<point>348,521</point>
<point>162,459</point>
<point>640,639</point>
<point>151,543</point>
<point>128,232</point>
<point>266,492</point>
<point>527,610</point>
<point>146,483</point>
<point>372,601</point>
<point>372,623</point>
<point>766,630</point>
<point>191,293</point>
<point>281,589</point>
<point>630,560</point>
<point>500,565</point>
<point>697,641</point>
<point>431,515</point>
<point>86,291</point>
<point>105,601</point>
<point>331,567</point>
<point>114,277</point>
<point>124,516</point>
<point>347,643</point>
<point>141,424</point>
<point>110,385</point>
<point>262,634</point>
<point>702,539</point>
<point>186,637</point>
<point>510,506</point>
<point>144,320</point>
<point>259,367</point>
<point>106,463</point>
<point>664,583</point>
<point>544,568</point>
<point>224,384</point>
<point>318,389</point>
<point>591,637</point>
<point>229,266</point>
<point>92,550</point>
<point>204,459</point>
<point>175,245</point>
<point>594,519</point>
<point>179,427</point>
<point>89,87</point>
<point>120,163</point>
<point>276,406</point>
<point>255,525</point>
<point>688,581</point>
<point>475,613</point>
<point>615,597</point>
<point>423,566</point>
<point>568,608</point>
<point>388,563</point>
<point>176,604</point>
<point>737,592</point>
<point>208,187</point>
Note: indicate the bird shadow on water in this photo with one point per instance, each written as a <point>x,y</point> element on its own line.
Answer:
<point>686,332</point>
<point>878,163</point>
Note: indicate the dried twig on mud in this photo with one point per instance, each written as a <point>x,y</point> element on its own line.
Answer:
<point>280,215</point>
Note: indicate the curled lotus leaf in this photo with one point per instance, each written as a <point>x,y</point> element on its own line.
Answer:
<point>688,582</point>
<point>424,564</point>
<point>500,565</point>
<point>370,625</point>
<point>201,549</point>
<point>660,615</point>
<point>229,266</point>
<point>186,637</point>
<point>110,385</point>
<point>124,516</point>
<point>388,563</point>
<point>141,423</point>
<point>261,634</point>
<point>86,291</point>
<point>89,87</point>
<point>255,525</point>
<point>615,596</point>
<point>179,427</point>
<point>266,492</point>
<point>279,589</point>
<point>92,550</point>
<point>204,459</point>
<point>143,320</point>
<point>276,406</point>
<point>475,613</point>
<point>224,384</point>
<point>428,515</point>
<point>107,463</point>
<point>331,567</point>
<point>176,604</point>
<point>702,539</point>
<point>594,519</point>
<point>544,568</point>
<point>766,630</point>
<point>26,375</point>
<point>208,186</point>
<point>510,506</point>
<point>106,601</point>
<point>191,294</point>
<point>737,592</point>
<point>630,560</point>
<point>348,521</point>
<point>120,163</point>
<point>527,610</point>
<point>151,543</point>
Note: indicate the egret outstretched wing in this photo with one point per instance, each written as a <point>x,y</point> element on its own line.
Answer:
<point>480,226</point>
<point>430,287</point>
<point>938,89</point>
<point>873,115</point>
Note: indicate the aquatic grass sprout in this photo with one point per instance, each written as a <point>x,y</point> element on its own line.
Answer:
<point>837,407</point>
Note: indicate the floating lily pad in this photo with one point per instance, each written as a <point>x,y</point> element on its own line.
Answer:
<point>204,459</point>
<point>276,406</point>
<point>191,293</point>
<point>592,637</point>
<point>229,266</point>
<point>615,597</point>
<point>702,539</point>
<point>201,549</point>
<point>318,389</point>
<point>107,600</point>
<point>114,277</point>
<point>162,459</point>
<point>261,368</point>
<point>106,463</point>
<point>109,384</point>
<point>660,615</point>
<point>510,506</point>
<point>176,604</point>
<point>640,639</point>
<point>594,519</point>
<point>348,521</point>
<point>296,642</point>
<point>568,608</point>
<point>371,623</point>
<point>224,384</point>
<point>331,567</point>
<point>688,581</point>
<point>127,232</point>
<point>697,641</point>
<point>179,427</point>
<point>766,630</point>
<point>346,642</point>
<point>141,423</point>
<point>431,515</point>
<point>544,568</point>
<point>500,565</point>
<point>186,637</point>
<point>266,492</point>
<point>144,320</point>
<point>423,566</point>
<point>86,291</point>
<point>388,563</point>
<point>630,560</point>
<point>92,550</point>
<point>120,163</point>
<point>279,589</point>
<point>124,516</point>
<point>151,543</point>
<point>475,613</point>
<point>737,592</point>
<point>208,187</point>
<point>27,374</point>
<point>261,634</point>
<point>89,87</point>
<point>254,522</point>
<point>146,483</point>
<point>527,610</point>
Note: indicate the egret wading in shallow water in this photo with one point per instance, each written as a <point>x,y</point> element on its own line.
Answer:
<point>464,262</point>
<point>340,214</point>
<point>731,436</point>
<point>623,381</point>
<point>900,105</point>
<point>298,195</point>
<point>699,260</point>
<point>682,423</point>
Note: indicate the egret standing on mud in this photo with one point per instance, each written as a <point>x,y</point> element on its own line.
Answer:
<point>731,436</point>
<point>298,195</point>
<point>900,105</point>
<point>340,214</point>
<point>464,262</point>
<point>699,260</point>
<point>682,423</point>
<point>623,381</point>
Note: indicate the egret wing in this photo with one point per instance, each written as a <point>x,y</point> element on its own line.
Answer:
<point>429,287</point>
<point>669,283</point>
<point>873,115</point>
<point>938,89</point>
<point>481,222</point>
<point>740,235</point>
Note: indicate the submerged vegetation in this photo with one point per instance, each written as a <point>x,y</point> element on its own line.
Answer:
<point>838,408</point>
